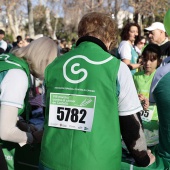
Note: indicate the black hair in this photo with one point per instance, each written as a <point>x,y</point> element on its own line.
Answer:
<point>152,52</point>
<point>2,32</point>
<point>139,39</point>
<point>152,48</point>
<point>19,38</point>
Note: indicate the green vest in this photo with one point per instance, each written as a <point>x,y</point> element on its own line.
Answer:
<point>161,95</point>
<point>161,151</point>
<point>95,75</point>
<point>7,62</point>
<point>133,59</point>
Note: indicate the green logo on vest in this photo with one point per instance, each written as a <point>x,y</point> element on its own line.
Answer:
<point>81,69</point>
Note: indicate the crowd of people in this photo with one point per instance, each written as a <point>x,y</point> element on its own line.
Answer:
<point>100,111</point>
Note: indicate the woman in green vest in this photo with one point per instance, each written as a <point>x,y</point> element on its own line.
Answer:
<point>15,70</point>
<point>91,101</point>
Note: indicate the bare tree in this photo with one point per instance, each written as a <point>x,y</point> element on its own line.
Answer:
<point>12,10</point>
<point>75,9</point>
<point>93,5</point>
<point>149,9</point>
<point>48,21</point>
<point>117,8</point>
<point>30,19</point>
<point>49,14</point>
<point>14,15</point>
<point>72,10</point>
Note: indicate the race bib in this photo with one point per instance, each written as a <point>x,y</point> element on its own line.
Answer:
<point>146,115</point>
<point>71,111</point>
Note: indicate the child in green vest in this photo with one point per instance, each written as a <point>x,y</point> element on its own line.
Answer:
<point>151,60</point>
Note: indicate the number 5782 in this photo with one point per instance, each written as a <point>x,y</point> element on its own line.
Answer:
<point>72,114</point>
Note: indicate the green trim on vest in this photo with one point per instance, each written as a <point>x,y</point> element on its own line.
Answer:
<point>9,61</point>
<point>65,149</point>
<point>161,95</point>
<point>133,59</point>
<point>2,75</point>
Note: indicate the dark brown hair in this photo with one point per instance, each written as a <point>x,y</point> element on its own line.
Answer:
<point>125,31</point>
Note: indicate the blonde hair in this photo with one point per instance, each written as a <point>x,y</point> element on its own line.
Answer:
<point>100,25</point>
<point>38,54</point>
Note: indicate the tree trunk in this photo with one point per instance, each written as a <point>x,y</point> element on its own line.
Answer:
<point>11,23</point>
<point>48,22</point>
<point>116,9</point>
<point>55,29</point>
<point>16,21</point>
<point>30,19</point>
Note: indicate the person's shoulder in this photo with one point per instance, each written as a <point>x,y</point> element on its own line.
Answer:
<point>123,70</point>
<point>124,43</point>
<point>140,73</point>
<point>4,42</point>
<point>163,70</point>
<point>138,76</point>
<point>165,61</point>
<point>166,44</point>
<point>16,77</point>
<point>18,73</point>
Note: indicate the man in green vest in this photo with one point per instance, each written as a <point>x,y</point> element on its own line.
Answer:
<point>90,102</point>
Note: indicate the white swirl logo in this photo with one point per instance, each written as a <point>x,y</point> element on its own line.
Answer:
<point>82,69</point>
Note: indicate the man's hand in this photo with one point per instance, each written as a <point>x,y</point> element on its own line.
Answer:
<point>26,127</point>
<point>151,156</point>
<point>37,135</point>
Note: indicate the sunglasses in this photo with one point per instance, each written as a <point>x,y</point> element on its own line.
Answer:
<point>150,32</point>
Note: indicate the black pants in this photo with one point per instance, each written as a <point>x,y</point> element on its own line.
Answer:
<point>3,164</point>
